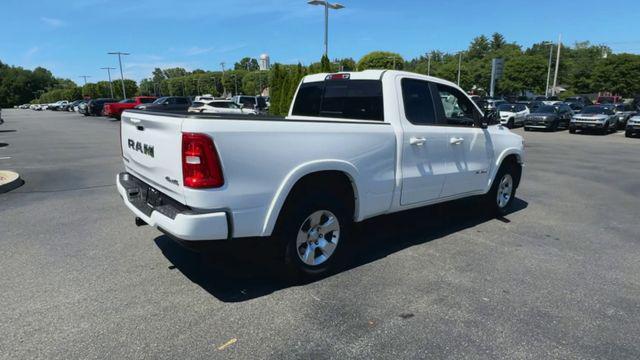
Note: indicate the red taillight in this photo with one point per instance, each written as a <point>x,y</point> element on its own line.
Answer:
<point>200,163</point>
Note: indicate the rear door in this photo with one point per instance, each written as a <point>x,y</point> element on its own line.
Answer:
<point>470,150</point>
<point>424,151</point>
<point>152,151</point>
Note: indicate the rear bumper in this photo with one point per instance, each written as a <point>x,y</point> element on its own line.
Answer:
<point>168,215</point>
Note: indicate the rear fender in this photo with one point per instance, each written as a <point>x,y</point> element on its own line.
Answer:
<point>298,173</point>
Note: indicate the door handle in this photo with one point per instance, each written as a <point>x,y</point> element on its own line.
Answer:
<point>417,141</point>
<point>456,141</point>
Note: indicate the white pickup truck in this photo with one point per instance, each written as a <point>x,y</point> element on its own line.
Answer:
<point>354,145</point>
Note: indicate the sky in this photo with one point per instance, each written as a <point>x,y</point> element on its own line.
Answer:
<point>72,37</point>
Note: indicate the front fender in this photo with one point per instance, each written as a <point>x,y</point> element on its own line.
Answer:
<point>298,173</point>
<point>518,152</point>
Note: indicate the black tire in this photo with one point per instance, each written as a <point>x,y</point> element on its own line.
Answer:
<point>296,216</point>
<point>491,198</point>
<point>85,114</point>
<point>527,129</point>
<point>628,133</point>
<point>572,130</point>
<point>554,126</point>
<point>605,129</point>
<point>511,123</point>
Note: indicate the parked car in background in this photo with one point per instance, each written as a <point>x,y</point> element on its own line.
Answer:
<point>576,107</point>
<point>608,99</point>
<point>512,115</point>
<point>257,103</point>
<point>58,105</point>
<point>167,103</point>
<point>488,104</point>
<point>82,107</point>
<point>309,177</point>
<point>1,121</point>
<point>95,106</point>
<point>220,107</point>
<point>73,106</point>
<point>580,99</point>
<point>114,110</point>
<point>549,117</point>
<point>633,126</point>
<point>624,112</point>
<point>595,117</point>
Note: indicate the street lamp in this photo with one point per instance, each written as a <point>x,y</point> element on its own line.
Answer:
<point>327,5</point>
<point>110,83</point>
<point>124,93</point>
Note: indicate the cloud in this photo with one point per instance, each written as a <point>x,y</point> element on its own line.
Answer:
<point>53,22</point>
<point>196,50</point>
<point>32,51</point>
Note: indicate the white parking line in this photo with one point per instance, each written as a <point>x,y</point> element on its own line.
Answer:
<point>5,157</point>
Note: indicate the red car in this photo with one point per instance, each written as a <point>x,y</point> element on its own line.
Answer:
<point>115,110</point>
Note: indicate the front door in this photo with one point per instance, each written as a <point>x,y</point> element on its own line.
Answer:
<point>470,150</point>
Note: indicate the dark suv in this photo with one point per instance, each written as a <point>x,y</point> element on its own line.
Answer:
<point>167,103</point>
<point>94,107</point>
<point>549,117</point>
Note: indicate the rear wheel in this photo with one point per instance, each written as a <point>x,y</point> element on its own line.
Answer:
<point>527,128</point>
<point>628,133</point>
<point>315,230</point>
<point>572,130</point>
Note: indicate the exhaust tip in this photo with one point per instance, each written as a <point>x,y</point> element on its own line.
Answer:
<point>140,222</point>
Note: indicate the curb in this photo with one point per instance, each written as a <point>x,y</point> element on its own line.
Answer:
<point>9,180</point>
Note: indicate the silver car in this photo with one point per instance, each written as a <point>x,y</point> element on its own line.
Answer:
<point>600,118</point>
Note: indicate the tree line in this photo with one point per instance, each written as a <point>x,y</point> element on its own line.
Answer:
<point>584,69</point>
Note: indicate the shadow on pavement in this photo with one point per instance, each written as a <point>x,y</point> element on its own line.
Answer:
<point>245,269</point>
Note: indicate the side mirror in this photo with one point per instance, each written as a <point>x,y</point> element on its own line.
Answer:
<point>488,119</point>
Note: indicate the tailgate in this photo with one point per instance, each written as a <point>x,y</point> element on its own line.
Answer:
<point>152,149</point>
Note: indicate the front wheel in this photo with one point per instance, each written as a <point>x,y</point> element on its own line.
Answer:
<point>503,190</point>
<point>315,231</point>
<point>627,133</point>
<point>572,130</point>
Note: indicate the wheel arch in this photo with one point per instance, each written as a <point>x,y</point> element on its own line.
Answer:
<point>337,170</point>
<point>513,156</point>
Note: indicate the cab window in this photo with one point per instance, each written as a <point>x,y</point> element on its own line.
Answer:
<point>457,109</point>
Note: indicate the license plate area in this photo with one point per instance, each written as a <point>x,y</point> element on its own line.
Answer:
<point>153,197</point>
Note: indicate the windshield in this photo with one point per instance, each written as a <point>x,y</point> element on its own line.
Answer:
<point>597,110</point>
<point>546,109</point>
<point>507,107</point>
<point>160,100</point>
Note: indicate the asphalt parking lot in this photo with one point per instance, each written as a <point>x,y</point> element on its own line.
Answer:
<point>557,278</point>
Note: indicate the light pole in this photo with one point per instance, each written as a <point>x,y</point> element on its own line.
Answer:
<point>555,76</point>
<point>546,91</point>
<point>327,5</point>
<point>459,67</point>
<point>224,89</point>
<point>110,83</point>
<point>429,65</point>
<point>124,93</point>
<point>85,82</point>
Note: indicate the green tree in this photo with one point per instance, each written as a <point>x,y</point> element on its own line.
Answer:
<point>479,47</point>
<point>248,64</point>
<point>381,60</point>
<point>497,41</point>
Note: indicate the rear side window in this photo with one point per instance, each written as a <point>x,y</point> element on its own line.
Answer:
<point>418,103</point>
<point>146,100</point>
<point>349,99</point>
